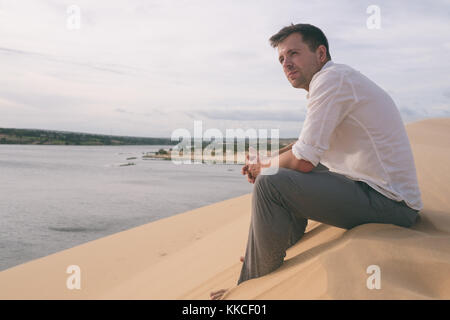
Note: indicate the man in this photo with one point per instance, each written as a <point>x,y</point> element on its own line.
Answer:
<point>351,165</point>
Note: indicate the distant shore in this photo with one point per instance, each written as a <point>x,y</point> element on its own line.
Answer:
<point>162,154</point>
<point>52,137</point>
<point>220,155</point>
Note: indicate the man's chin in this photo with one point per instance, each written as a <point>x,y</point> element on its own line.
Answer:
<point>297,85</point>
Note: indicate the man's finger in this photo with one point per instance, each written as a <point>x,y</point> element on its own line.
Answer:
<point>247,159</point>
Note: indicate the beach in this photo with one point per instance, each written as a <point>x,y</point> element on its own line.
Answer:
<point>188,255</point>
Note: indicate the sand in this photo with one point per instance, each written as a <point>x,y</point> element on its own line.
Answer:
<point>190,254</point>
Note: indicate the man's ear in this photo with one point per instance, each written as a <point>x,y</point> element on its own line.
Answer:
<point>321,53</point>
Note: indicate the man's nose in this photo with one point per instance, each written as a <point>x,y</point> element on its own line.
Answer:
<point>287,64</point>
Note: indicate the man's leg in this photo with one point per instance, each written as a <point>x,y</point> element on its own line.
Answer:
<point>282,203</point>
<point>272,231</point>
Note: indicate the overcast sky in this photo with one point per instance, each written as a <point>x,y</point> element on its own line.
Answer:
<point>146,68</point>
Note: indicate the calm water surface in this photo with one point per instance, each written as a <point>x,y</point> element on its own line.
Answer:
<point>55,197</point>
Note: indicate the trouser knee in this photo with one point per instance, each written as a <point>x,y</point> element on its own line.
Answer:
<point>272,181</point>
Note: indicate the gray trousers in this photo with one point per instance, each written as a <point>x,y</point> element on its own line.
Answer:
<point>283,203</point>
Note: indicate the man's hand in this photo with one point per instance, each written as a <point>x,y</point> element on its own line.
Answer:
<point>252,168</point>
<point>285,160</point>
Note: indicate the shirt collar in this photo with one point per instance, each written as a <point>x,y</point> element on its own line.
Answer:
<point>326,65</point>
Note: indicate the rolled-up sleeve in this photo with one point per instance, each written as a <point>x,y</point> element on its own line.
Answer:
<point>331,97</point>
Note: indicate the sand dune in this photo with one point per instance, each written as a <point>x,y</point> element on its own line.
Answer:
<point>188,255</point>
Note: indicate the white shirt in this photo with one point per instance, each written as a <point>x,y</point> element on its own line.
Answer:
<point>353,127</point>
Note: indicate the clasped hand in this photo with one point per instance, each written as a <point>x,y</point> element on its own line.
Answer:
<point>253,167</point>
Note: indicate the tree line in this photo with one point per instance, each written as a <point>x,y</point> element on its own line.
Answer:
<point>38,136</point>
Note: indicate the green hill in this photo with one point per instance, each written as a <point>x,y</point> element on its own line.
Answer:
<point>38,136</point>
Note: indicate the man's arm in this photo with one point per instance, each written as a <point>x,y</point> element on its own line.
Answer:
<point>284,149</point>
<point>289,161</point>
<point>285,159</point>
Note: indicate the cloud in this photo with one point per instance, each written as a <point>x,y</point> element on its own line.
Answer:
<point>116,69</point>
<point>250,115</point>
<point>153,112</point>
<point>446,94</point>
<point>148,67</point>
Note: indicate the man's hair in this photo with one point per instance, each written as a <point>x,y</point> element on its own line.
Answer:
<point>311,35</point>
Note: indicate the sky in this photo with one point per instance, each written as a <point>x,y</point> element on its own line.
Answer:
<point>148,68</point>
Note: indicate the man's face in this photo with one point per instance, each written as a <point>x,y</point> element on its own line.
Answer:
<point>298,61</point>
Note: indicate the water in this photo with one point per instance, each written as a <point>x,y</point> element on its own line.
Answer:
<point>55,197</point>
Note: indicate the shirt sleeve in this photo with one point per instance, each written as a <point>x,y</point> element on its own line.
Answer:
<point>330,98</point>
